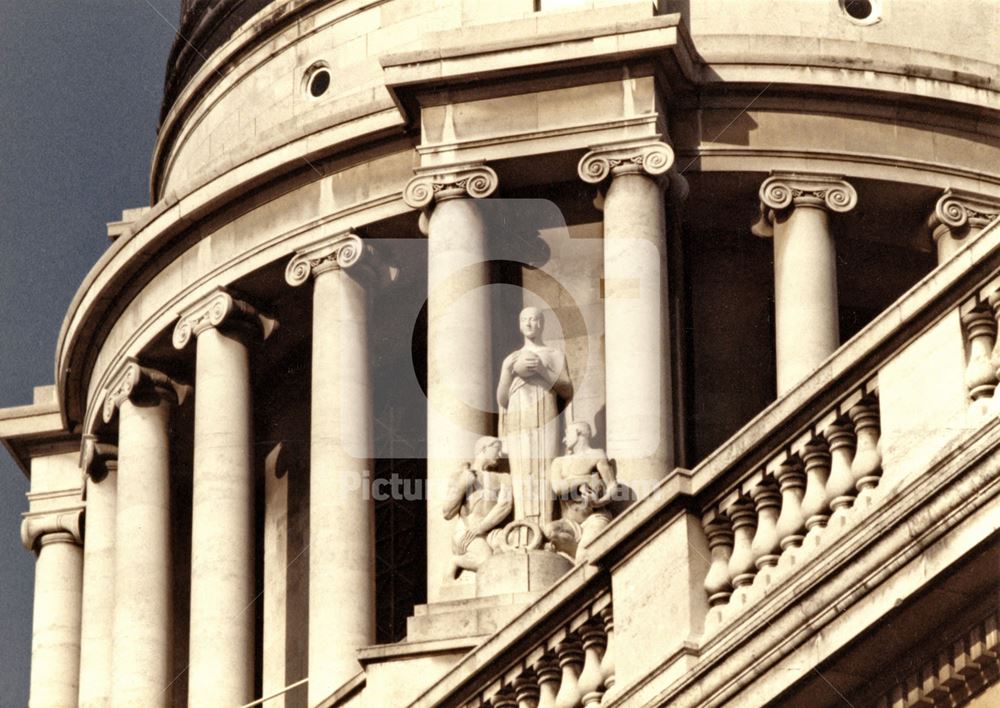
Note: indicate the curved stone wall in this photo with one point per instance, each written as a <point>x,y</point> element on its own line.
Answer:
<point>249,165</point>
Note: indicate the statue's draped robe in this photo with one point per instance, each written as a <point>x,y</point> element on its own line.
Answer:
<point>529,427</point>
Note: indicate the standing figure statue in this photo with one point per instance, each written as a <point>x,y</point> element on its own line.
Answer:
<point>481,497</point>
<point>584,482</point>
<point>532,380</point>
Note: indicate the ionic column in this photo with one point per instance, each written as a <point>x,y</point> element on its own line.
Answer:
<point>636,313</point>
<point>957,218</point>
<point>341,515</point>
<point>222,530</point>
<point>143,587</point>
<point>99,463</point>
<point>795,212</point>
<point>459,352</point>
<point>55,633</point>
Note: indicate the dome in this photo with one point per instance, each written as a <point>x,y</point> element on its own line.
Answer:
<point>204,26</point>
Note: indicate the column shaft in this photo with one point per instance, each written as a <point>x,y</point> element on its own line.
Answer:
<point>98,592</point>
<point>459,362</point>
<point>222,535</point>
<point>807,327</point>
<point>341,516</point>
<point>55,637</point>
<point>636,325</point>
<point>143,589</point>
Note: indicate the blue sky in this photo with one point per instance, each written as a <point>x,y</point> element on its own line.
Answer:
<point>80,89</point>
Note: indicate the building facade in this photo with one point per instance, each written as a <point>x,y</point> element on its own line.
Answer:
<point>537,353</point>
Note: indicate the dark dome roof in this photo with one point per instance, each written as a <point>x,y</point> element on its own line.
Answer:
<point>205,26</point>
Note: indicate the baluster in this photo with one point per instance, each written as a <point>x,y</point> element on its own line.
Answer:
<point>791,521</point>
<point>591,681</point>
<point>840,488</point>
<point>744,518</point>
<point>608,661</point>
<point>526,690</point>
<point>981,331</point>
<point>816,458</point>
<point>504,699</point>
<point>765,547</point>
<point>548,672</point>
<point>720,544</point>
<point>867,466</point>
<point>570,659</point>
<point>994,302</point>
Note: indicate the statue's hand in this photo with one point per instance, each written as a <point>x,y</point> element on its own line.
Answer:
<point>467,475</point>
<point>468,537</point>
<point>528,364</point>
<point>523,367</point>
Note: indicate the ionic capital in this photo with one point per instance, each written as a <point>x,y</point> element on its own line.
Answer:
<point>344,251</point>
<point>474,180</point>
<point>220,309</point>
<point>650,157</point>
<point>789,191</point>
<point>959,213</point>
<point>135,382</point>
<point>97,458</point>
<point>57,526</point>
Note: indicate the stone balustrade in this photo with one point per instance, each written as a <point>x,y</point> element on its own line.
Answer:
<point>980,322</point>
<point>823,468</point>
<point>782,506</point>
<point>573,666</point>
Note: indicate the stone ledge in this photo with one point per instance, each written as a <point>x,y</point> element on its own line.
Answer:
<point>458,60</point>
<point>383,652</point>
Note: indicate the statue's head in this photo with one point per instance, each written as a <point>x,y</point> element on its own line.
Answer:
<point>576,432</point>
<point>488,450</point>
<point>531,322</point>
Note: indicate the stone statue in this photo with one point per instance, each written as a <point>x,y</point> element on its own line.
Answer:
<point>532,379</point>
<point>583,480</point>
<point>481,498</point>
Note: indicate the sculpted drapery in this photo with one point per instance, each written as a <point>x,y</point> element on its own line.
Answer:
<point>533,379</point>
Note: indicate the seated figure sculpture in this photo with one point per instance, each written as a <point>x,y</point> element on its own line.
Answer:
<point>583,481</point>
<point>482,499</point>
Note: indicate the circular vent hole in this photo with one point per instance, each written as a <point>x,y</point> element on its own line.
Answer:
<point>858,9</point>
<point>861,10</point>
<point>319,82</point>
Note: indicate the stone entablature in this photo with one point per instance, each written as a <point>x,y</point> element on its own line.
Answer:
<point>564,132</point>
